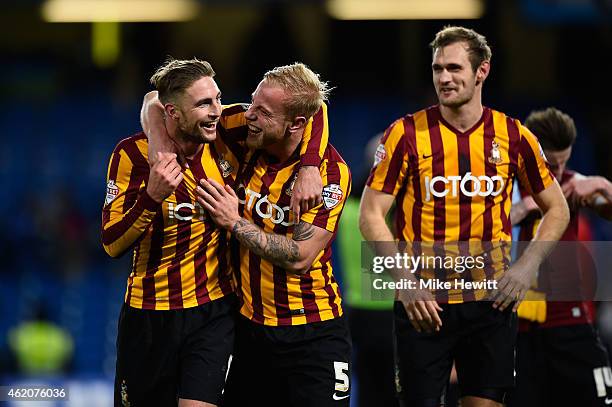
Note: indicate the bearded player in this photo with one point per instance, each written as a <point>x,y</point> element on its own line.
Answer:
<point>176,327</point>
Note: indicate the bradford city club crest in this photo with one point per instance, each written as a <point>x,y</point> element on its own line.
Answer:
<point>495,157</point>
<point>332,195</point>
<point>112,191</point>
<point>226,167</point>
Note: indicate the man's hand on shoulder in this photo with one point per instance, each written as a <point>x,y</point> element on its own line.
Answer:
<point>307,191</point>
<point>158,130</point>
<point>164,177</point>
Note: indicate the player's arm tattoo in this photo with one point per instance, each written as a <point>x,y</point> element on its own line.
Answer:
<point>303,231</point>
<point>278,249</point>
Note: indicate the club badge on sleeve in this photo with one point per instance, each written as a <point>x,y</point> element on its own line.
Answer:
<point>112,191</point>
<point>332,195</point>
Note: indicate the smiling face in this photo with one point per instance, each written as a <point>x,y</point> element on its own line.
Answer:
<point>455,81</point>
<point>198,109</point>
<point>266,117</point>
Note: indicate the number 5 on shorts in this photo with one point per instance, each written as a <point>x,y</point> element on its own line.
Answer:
<point>342,379</point>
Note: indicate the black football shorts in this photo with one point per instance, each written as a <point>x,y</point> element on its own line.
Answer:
<point>300,366</point>
<point>564,366</point>
<point>477,337</point>
<point>166,355</point>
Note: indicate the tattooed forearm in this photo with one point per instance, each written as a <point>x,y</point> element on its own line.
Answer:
<point>280,250</point>
<point>303,231</point>
<point>248,234</point>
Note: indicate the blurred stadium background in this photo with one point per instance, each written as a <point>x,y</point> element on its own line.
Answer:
<point>75,71</point>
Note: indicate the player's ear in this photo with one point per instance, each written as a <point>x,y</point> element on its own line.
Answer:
<point>298,123</point>
<point>171,111</point>
<point>482,72</point>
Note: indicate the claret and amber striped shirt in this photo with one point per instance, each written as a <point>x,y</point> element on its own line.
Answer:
<point>180,257</point>
<point>453,186</point>
<point>563,274</point>
<point>270,294</point>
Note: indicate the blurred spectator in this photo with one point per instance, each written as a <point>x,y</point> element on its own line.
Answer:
<point>40,347</point>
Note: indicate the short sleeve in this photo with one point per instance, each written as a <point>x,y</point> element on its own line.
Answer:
<point>315,138</point>
<point>390,161</point>
<point>336,189</point>
<point>533,172</point>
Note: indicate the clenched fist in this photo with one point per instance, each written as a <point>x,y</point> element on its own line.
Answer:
<point>164,177</point>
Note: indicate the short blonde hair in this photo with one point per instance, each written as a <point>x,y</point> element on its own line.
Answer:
<point>305,90</point>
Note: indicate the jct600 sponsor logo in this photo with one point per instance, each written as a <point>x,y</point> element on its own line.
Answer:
<point>468,184</point>
<point>263,207</point>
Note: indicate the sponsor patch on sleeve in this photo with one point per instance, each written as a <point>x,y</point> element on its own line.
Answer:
<point>542,152</point>
<point>111,192</point>
<point>332,195</point>
<point>380,154</point>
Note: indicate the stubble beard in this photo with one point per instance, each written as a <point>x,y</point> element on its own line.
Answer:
<point>254,142</point>
<point>456,102</point>
<point>192,133</point>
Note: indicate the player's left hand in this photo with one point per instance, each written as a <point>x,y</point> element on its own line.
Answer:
<point>581,188</point>
<point>307,191</point>
<point>220,201</point>
<point>512,287</point>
